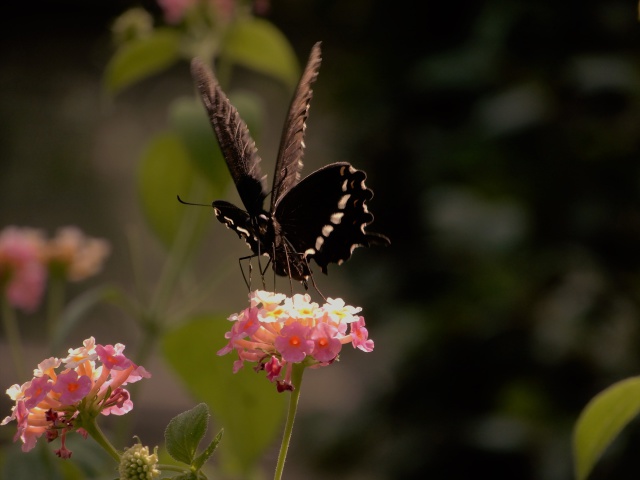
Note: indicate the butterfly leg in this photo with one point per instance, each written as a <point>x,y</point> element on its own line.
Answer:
<point>286,255</point>
<point>246,282</point>
<point>260,269</point>
<point>263,272</point>
<point>313,281</point>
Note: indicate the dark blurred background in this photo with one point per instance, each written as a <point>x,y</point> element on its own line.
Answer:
<point>501,140</point>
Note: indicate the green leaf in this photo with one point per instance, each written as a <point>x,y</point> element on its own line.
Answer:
<point>246,404</point>
<point>37,463</point>
<point>166,171</point>
<point>601,421</point>
<point>185,476</point>
<point>189,119</point>
<point>141,58</point>
<point>204,456</point>
<point>185,431</point>
<point>257,44</point>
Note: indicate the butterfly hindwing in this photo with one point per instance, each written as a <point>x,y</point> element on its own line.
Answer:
<point>238,148</point>
<point>325,215</point>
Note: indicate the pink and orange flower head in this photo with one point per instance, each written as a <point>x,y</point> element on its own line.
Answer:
<point>88,382</point>
<point>74,255</point>
<point>276,331</point>
<point>22,273</point>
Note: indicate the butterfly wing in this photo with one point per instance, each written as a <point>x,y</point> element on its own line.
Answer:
<point>238,148</point>
<point>325,215</point>
<point>239,221</point>
<point>289,162</point>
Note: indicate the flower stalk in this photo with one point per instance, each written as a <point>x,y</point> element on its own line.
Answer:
<point>90,424</point>
<point>296,380</point>
<point>10,325</point>
<point>55,303</point>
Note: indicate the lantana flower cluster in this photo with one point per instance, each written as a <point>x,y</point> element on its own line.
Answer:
<point>277,331</point>
<point>27,258</point>
<point>66,395</point>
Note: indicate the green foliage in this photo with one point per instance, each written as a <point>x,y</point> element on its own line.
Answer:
<point>189,119</point>
<point>258,45</point>
<point>246,404</point>
<point>166,171</point>
<point>141,58</point>
<point>184,433</point>
<point>601,421</point>
<point>183,436</point>
<point>88,461</point>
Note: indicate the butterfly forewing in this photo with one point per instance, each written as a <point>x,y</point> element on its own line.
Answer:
<point>291,151</point>
<point>325,215</point>
<point>238,148</point>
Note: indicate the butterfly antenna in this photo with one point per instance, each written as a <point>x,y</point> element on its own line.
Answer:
<point>193,204</point>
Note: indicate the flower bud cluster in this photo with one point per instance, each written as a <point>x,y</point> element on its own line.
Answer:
<point>137,464</point>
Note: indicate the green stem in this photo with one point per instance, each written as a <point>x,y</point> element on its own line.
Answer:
<point>55,302</point>
<point>13,336</point>
<point>296,381</point>
<point>91,426</point>
<point>172,468</point>
<point>175,263</point>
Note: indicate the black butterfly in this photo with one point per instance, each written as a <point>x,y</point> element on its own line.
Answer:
<point>321,217</point>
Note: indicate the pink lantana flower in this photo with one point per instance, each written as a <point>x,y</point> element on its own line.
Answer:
<point>360,336</point>
<point>65,392</point>
<point>74,255</point>
<point>22,272</point>
<point>277,331</point>
<point>176,10</point>
<point>293,342</point>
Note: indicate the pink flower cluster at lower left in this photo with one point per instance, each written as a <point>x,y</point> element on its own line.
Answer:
<point>88,382</point>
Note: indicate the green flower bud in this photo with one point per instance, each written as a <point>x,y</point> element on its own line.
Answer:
<point>137,464</point>
<point>133,24</point>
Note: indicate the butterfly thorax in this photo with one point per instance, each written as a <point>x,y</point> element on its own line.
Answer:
<point>265,231</point>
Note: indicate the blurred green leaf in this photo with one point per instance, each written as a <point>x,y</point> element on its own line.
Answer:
<point>37,463</point>
<point>141,58</point>
<point>166,171</point>
<point>257,44</point>
<point>601,421</point>
<point>185,431</point>
<point>187,116</point>
<point>246,404</point>
<point>89,461</point>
